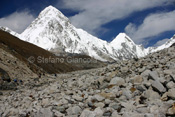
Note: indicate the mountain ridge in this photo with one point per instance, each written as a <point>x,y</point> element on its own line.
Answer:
<point>53,31</point>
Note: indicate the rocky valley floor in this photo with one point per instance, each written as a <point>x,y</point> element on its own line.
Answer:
<point>134,88</point>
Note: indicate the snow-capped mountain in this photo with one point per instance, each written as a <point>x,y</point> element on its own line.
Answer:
<point>165,45</point>
<point>124,43</point>
<point>54,32</point>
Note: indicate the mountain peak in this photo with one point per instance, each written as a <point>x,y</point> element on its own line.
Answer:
<point>49,21</point>
<point>50,8</point>
<point>121,38</point>
<point>50,12</point>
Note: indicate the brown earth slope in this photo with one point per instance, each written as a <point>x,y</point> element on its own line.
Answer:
<point>23,51</point>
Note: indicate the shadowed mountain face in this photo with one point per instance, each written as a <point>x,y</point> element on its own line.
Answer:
<point>36,58</point>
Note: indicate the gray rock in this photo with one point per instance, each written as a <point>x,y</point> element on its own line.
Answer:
<point>44,112</point>
<point>153,75</point>
<point>115,106</point>
<point>59,108</point>
<point>117,81</point>
<point>145,74</point>
<point>141,88</point>
<point>107,101</point>
<point>158,86</point>
<point>63,101</point>
<point>98,112</point>
<point>170,85</point>
<point>108,113</point>
<point>115,114</point>
<point>142,69</point>
<point>77,97</point>
<point>87,113</point>
<point>74,110</point>
<point>90,104</point>
<point>163,80</point>
<point>137,115</point>
<point>137,79</point>
<point>124,69</point>
<point>152,95</point>
<point>128,106</point>
<point>122,98</point>
<point>45,101</point>
<point>171,93</point>
<point>58,114</point>
<point>168,72</point>
<point>149,115</point>
<point>127,93</point>
<point>142,110</point>
<point>100,104</point>
<point>99,97</point>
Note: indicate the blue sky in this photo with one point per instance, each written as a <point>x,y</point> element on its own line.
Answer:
<point>147,22</point>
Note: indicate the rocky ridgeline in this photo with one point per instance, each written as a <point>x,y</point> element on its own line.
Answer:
<point>135,88</point>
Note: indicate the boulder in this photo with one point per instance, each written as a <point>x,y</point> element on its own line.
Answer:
<point>153,75</point>
<point>99,104</point>
<point>137,79</point>
<point>170,85</point>
<point>158,86</point>
<point>152,95</point>
<point>44,112</point>
<point>124,69</point>
<point>171,93</point>
<point>99,98</point>
<point>87,113</point>
<point>74,110</point>
<point>117,81</point>
<point>98,112</point>
<point>145,74</point>
<point>115,114</point>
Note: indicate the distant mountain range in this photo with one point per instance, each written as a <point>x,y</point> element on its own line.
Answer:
<point>54,32</point>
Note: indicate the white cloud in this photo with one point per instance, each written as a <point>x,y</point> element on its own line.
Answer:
<point>95,13</point>
<point>153,25</point>
<point>17,21</point>
<point>161,42</point>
